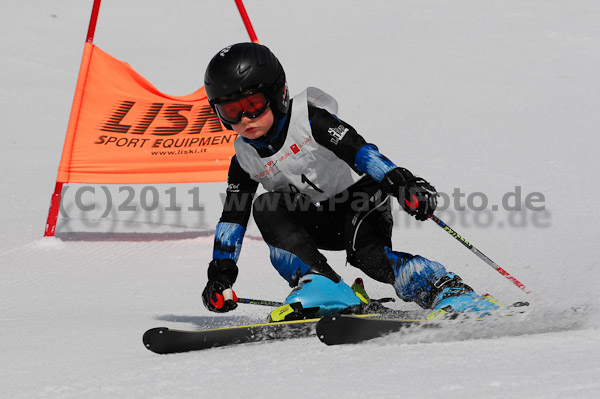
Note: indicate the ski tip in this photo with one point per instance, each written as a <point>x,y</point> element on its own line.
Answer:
<point>328,331</point>
<point>352,329</point>
<point>152,339</point>
<point>323,327</point>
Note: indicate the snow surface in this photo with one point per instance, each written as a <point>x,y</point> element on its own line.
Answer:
<point>479,95</point>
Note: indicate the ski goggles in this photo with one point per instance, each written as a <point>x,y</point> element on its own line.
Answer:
<point>251,106</point>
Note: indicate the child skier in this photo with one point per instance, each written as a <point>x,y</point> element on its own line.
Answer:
<point>327,188</point>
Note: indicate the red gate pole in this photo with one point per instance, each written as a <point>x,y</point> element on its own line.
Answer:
<point>56,196</point>
<point>93,20</point>
<point>246,19</point>
<point>53,212</point>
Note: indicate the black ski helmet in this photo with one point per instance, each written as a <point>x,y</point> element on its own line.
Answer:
<point>244,67</point>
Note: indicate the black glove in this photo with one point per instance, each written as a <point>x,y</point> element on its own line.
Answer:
<point>222,273</point>
<point>415,194</point>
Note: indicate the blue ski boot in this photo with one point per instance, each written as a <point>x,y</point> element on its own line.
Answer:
<point>320,292</point>
<point>452,295</point>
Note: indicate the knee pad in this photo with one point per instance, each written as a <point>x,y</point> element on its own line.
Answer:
<point>289,266</point>
<point>415,278</point>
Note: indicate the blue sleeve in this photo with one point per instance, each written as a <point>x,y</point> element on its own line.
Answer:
<point>370,161</point>
<point>228,241</point>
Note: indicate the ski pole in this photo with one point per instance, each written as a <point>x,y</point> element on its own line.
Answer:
<point>261,302</point>
<point>477,252</point>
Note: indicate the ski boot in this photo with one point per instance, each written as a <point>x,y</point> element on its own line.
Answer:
<point>320,292</point>
<point>452,295</point>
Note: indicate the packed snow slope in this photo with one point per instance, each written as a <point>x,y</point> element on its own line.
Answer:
<point>488,100</point>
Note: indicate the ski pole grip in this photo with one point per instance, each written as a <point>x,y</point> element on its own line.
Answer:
<point>228,294</point>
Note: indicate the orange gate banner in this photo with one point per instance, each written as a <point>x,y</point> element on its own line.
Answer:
<point>122,130</point>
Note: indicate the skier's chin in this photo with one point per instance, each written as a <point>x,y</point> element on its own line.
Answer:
<point>252,133</point>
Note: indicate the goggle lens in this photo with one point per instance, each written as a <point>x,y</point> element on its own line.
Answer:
<point>251,106</point>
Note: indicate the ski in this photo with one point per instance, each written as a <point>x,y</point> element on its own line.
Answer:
<point>164,340</point>
<point>349,329</point>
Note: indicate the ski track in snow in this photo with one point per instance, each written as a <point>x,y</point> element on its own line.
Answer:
<point>483,96</point>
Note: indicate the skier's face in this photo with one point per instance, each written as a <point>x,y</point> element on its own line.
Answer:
<point>254,128</point>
